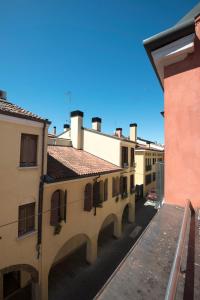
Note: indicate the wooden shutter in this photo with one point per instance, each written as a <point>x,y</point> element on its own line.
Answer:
<point>65,206</point>
<point>96,194</point>
<point>55,208</point>
<point>101,191</point>
<point>113,186</point>
<point>22,221</point>
<point>28,151</point>
<point>132,156</point>
<point>106,190</point>
<point>30,217</point>
<point>88,197</point>
<point>121,185</point>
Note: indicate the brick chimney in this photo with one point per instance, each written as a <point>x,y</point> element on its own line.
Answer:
<point>76,129</point>
<point>96,123</point>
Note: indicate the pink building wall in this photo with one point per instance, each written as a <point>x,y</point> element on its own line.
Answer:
<point>182,128</point>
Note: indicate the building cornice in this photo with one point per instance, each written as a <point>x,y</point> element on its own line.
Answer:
<point>172,53</point>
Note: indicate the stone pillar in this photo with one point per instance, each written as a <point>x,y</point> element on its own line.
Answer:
<point>35,291</point>
<point>43,287</point>
<point>1,286</point>
<point>117,228</point>
<point>92,250</point>
<point>131,212</point>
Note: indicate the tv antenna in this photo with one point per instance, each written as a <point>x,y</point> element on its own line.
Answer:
<point>68,95</point>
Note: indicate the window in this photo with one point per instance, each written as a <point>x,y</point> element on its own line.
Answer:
<point>148,179</point>
<point>28,151</point>
<point>132,188</point>
<point>101,198</point>
<point>124,157</point>
<point>113,187</point>
<point>26,222</point>
<point>58,207</point>
<point>106,190</point>
<point>96,195</point>
<point>123,186</point>
<point>132,157</point>
<point>88,197</point>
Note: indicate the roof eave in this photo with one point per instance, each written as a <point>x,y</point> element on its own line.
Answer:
<point>166,37</point>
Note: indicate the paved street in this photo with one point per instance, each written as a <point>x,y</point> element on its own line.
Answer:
<point>74,279</point>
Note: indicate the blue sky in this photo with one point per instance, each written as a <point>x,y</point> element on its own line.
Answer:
<point>92,48</point>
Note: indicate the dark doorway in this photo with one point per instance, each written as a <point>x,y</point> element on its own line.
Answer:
<point>139,192</point>
<point>11,283</point>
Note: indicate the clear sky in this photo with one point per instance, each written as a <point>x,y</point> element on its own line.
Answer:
<point>92,48</point>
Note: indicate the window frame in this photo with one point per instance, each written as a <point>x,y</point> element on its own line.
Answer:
<point>24,220</point>
<point>25,161</point>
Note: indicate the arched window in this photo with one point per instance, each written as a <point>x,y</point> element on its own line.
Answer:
<point>58,207</point>
<point>106,190</point>
<point>88,197</point>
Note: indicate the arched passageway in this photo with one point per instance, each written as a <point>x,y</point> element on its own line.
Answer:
<point>19,282</point>
<point>69,262</point>
<point>110,229</point>
<point>128,216</point>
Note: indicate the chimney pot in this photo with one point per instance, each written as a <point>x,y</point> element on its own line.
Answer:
<point>66,126</point>
<point>133,132</point>
<point>76,129</point>
<point>54,130</point>
<point>3,95</point>
<point>96,123</point>
<point>118,132</point>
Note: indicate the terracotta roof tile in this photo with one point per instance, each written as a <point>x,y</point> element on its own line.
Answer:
<point>68,162</point>
<point>9,108</point>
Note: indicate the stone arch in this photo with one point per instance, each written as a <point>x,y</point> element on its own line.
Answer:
<point>34,276</point>
<point>71,245</point>
<point>22,267</point>
<point>110,220</point>
<point>128,213</point>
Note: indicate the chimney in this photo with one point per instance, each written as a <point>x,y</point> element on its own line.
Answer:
<point>76,129</point>
<point>3,95</point>
<point>118,132</point>
<point>54,130</point>
<point>133,132</point>
<point>66,126</point>
<point>96,123</point>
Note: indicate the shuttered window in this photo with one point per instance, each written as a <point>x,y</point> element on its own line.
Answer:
<point>28,151</point>
<point>88,197</point>
<point>132,157</point>
<point>131,183</point>
<point>123,186</point>
<point>113,187</point>
<point>96,195</point>
<point>58,207</point>
<point>26,221</point>
<point>117,186</point>
<point>106,190</point>
<point>124,157</point>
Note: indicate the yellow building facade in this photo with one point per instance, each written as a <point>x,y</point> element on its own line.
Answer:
<point>57,193</point>
<point>147,155</point>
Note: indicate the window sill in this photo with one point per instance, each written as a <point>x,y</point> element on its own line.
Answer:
<point>28,168</point>
<point>26,235</point>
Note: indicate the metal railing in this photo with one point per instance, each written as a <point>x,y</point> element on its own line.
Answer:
<point>176,267</point>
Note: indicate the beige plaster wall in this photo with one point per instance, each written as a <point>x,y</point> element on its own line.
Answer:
<point>18,186</point>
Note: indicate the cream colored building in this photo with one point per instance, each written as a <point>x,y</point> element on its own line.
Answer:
<point>57,193</point>
<point>147,155</point>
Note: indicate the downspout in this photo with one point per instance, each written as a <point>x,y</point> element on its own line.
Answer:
<point>41,191</point>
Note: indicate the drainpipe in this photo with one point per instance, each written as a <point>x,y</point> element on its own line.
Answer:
<point>41,191</point>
